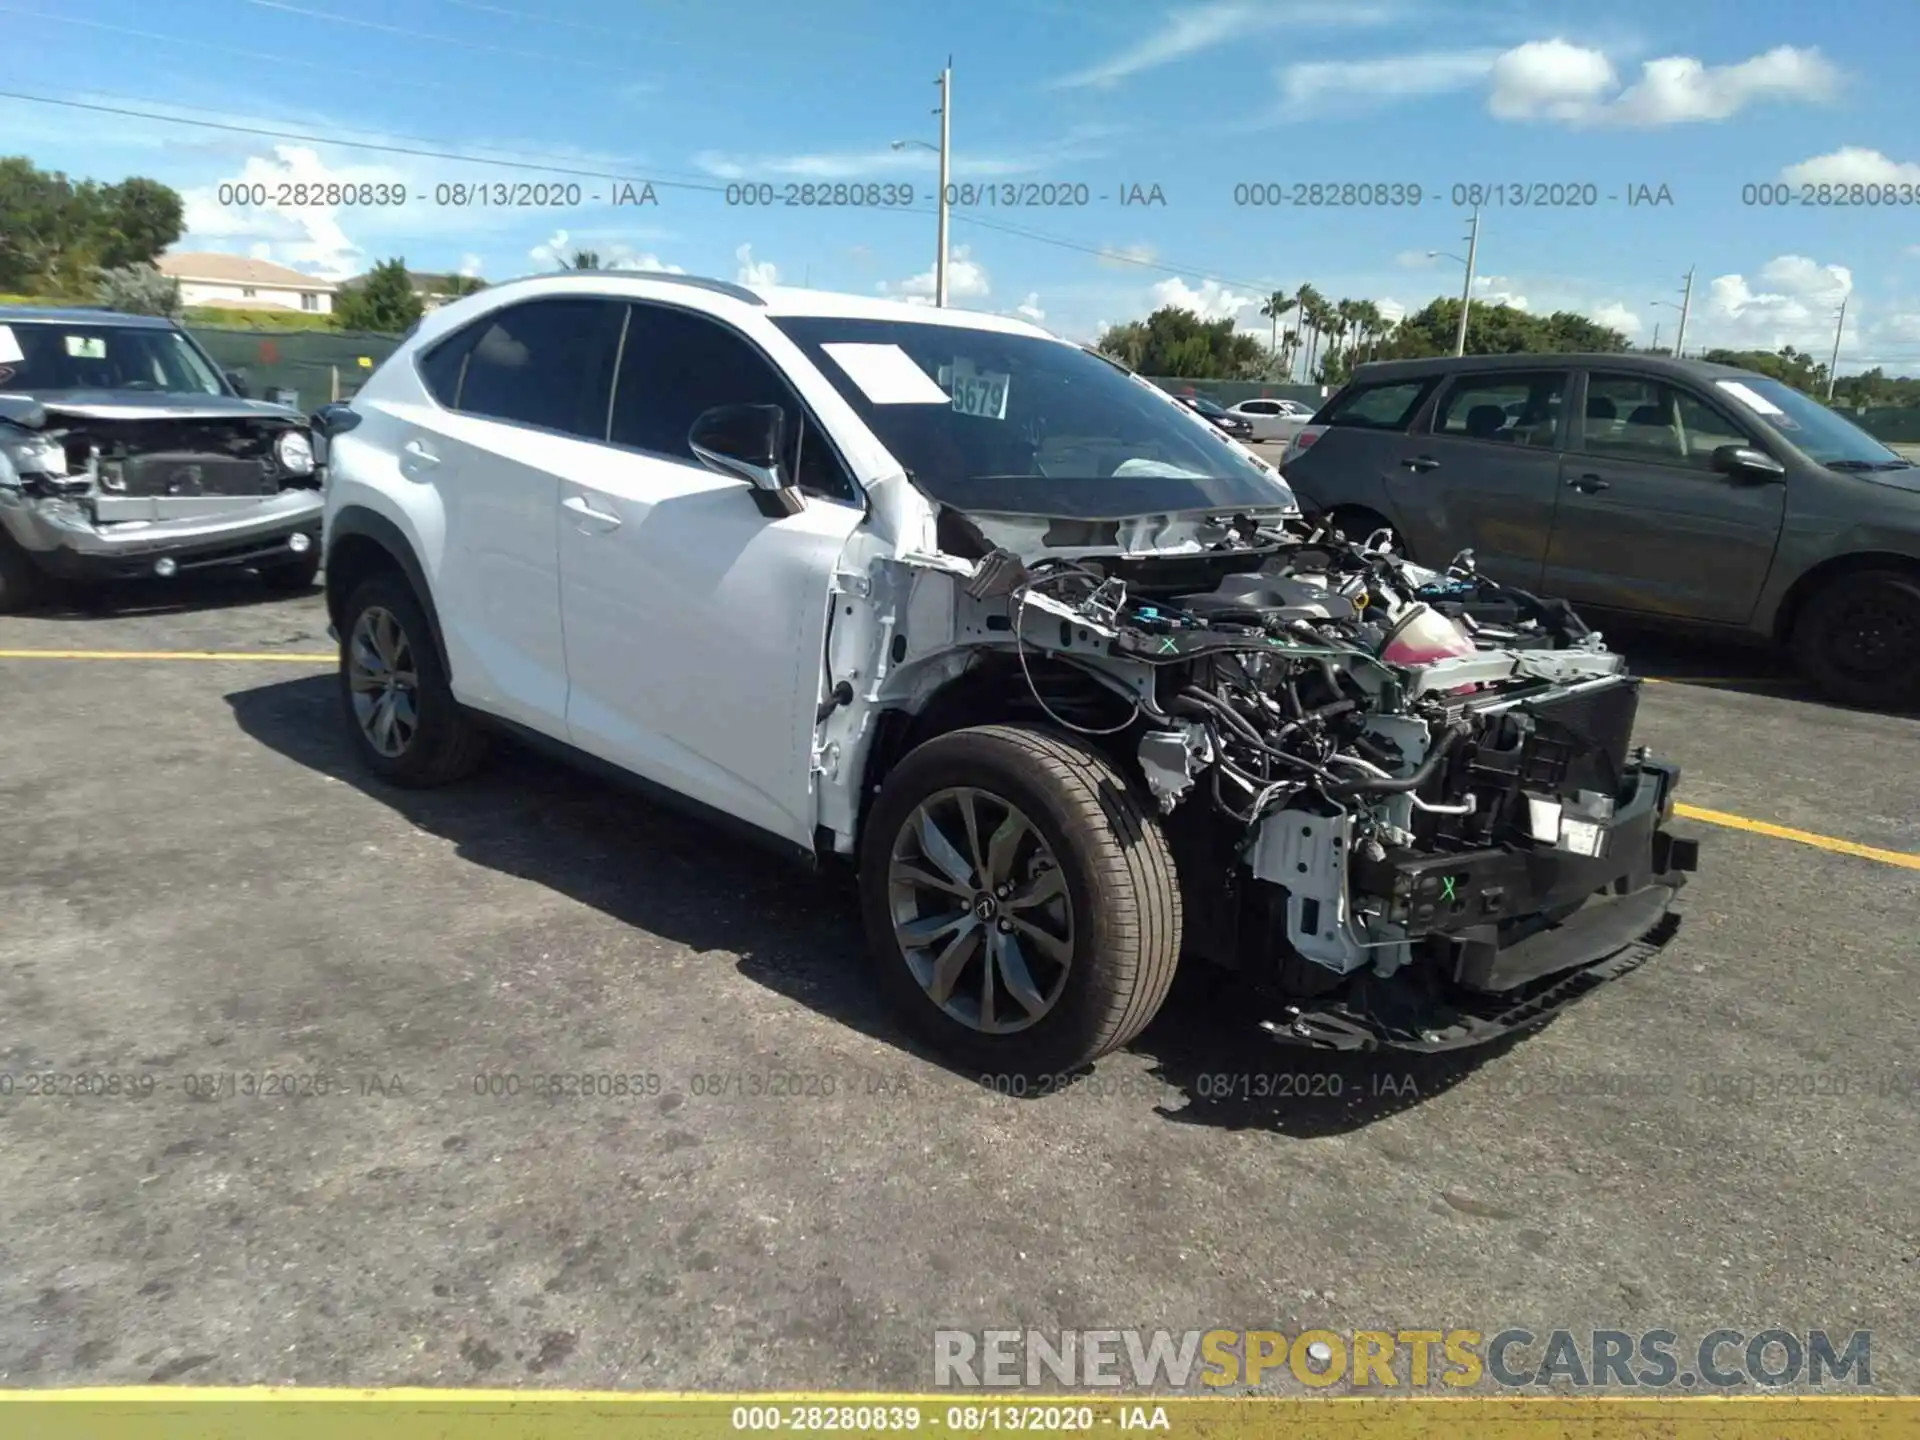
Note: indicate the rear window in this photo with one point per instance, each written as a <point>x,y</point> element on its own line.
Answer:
<point>1389,405</point>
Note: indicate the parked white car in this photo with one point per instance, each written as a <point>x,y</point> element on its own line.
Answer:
<point>1054,664</point>
<point>1273,419</point>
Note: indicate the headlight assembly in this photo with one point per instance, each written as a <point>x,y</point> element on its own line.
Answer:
<point>295,453</point>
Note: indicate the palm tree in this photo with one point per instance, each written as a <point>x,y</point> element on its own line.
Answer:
<point>1315,314</point>
<point>1347,328</point>
<point>585,260</point>
<point>1371,323</point>
<point>1278,304</point>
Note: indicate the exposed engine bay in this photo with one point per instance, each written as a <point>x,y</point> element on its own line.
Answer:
<point>1403,801</point>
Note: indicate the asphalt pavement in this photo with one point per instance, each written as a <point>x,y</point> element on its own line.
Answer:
<point>329,1007</point>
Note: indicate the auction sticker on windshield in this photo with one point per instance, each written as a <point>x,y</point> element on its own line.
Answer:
<point>886,374</point>
<point>1750,397</point>
<point>982,393</point>
<point>86,347</point>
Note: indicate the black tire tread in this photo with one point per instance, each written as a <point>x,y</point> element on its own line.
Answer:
<point>1133,864</point>
<point>459,743</point>
<point>20,580</point>
<point>1807,643</point>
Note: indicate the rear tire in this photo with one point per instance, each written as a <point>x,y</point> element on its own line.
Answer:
<point>21,583</point>
<point>1858,640</point>
<point>1099,950</point>
<point>399,707</point>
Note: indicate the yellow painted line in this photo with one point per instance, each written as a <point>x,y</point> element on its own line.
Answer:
<point>1802,837</point>
<point>1711,680</point>
<point>302,657</point>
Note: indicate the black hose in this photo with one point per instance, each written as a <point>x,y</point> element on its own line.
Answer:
<point>1372,785</point>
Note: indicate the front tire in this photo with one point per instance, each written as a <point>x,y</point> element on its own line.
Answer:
<point>292,577</point>
<point>21,584</point>
<point>1858,640</point>
<point>399,707</point>
<point>1020,901</point>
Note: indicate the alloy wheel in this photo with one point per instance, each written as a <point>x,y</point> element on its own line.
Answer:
<point>383,682</point>
<point>981,910</point>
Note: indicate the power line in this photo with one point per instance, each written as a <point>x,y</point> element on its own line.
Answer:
<point>327,65</point>
<point>538,19</point>
<point>553,168</point>
<point>437,39</point>
<point>545,167</point>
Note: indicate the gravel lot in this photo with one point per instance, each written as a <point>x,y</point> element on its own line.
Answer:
<point>196,881</point>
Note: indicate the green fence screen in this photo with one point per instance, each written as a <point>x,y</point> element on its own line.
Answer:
<point>314,365</point>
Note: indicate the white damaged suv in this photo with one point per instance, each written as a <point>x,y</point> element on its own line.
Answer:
<point>1051,661</point>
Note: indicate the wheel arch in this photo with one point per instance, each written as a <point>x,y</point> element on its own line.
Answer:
<point>362,543</point>
<point>1816,578</point>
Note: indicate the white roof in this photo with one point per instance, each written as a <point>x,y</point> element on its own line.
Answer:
<point>772,300</point>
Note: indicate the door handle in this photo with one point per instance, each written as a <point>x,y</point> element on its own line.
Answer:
<point>584,508</point>
<point>416,458</point>
<point>1421,462</point>
<point>1587,484</point>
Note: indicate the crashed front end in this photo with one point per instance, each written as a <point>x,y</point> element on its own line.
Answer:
<point>1405,804</point>
<point>121,489</point>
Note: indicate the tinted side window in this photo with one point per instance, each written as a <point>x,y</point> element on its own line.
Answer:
<point>1637,418</point>
<point>678,364</point>
<point>1259,407</point>
<point>547,363</point>
<point>1506,408</point>
<point>1387,406</point>
<point>442,366</point>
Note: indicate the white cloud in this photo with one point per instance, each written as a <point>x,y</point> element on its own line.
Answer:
<point>1550,80</point>
<point>1615,316</point>
<point>1350,84</point>
<point>471,265</point>
<point>1792,301</point>
<point>966,280</point>
<point>1029,308</point>
<point>1391,310</point>
<point>755,272</point>
<point>308,238</point>
<point>1557,80</point>
<point>1497,290</point>
<point>1210,301</point>
<point>1852,165</point>
<point>553,253</point>
<point>619,257</point>
<point>1203,27</point>
<point>556,252</point>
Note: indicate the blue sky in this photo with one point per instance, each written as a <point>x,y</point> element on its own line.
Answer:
<point>1701,98</point>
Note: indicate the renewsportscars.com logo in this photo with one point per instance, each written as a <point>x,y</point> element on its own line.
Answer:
<point>1396,1359</point>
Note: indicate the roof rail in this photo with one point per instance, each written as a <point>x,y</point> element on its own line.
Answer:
<point>698,282</point>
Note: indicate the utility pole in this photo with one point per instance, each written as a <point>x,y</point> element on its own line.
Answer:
<point>1655,347</point>
<point>1839,324</point>
<point>1686,304</point>
<point>1466,293</point>
<point>945,112</point>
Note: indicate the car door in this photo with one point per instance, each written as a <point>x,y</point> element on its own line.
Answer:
<point>1645,522</point>
<point>1263,415</point>
<point>696,625</point>
<point>1481,472</point>
<point>522,396</point>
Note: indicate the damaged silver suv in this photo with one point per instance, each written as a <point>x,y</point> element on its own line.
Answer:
<point>1052,661</point>
<point>125,452</point>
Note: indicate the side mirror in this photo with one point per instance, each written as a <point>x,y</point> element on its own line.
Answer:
<point>334,419</point>
<point>1743,462</point>
<point>239,384</point>
<point>746,442</point>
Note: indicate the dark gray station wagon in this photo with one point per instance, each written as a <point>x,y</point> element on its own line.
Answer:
<point>1671,491</point>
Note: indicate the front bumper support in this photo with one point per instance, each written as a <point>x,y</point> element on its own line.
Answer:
<point>59,536</point>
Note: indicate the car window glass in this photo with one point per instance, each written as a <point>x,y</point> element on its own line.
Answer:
<point>443,365</point>
<point>1378,407</point>
<point>1259,407</point>
<point>677,365</point>
<point>547,363</point>
<point>1639,418</point>
<point>1506,409</point>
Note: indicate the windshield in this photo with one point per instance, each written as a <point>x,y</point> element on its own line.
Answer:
<point>1204,405</point>
<point>1819,433</point>
<point>988,421</point>
<point>42,356</point>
